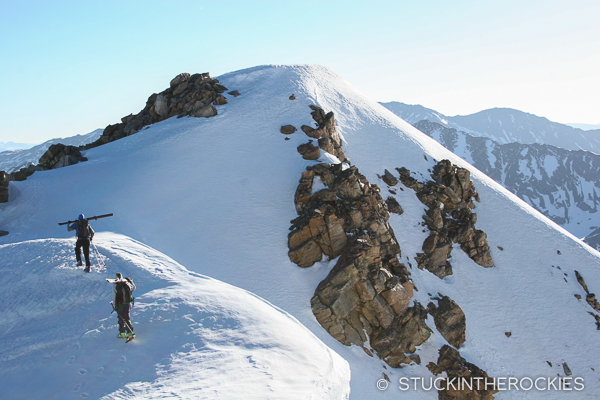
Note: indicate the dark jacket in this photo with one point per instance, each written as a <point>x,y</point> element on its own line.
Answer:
<point>86,233</point>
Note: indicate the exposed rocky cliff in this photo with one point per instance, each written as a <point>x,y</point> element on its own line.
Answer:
<point>561,184</point>
<point>367,297</point>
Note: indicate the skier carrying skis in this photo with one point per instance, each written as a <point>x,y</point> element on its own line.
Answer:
<point>123,289</point>
<point>84,233</point>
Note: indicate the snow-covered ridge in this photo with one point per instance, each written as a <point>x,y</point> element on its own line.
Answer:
<point>506,125</point>
<point>196,337</point>
<point>216,195</point>
<point>11,161</point>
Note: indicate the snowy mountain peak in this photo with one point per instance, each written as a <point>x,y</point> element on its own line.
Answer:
<point>216,195</point>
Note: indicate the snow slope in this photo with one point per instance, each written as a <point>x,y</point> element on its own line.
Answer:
<point>197,337</point>
<point>14,160</point>
<point>216,195</point>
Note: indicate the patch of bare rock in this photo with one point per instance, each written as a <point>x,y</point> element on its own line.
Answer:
<point>449,217</point>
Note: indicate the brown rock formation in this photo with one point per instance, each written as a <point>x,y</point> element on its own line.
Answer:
<point>326,132</point>
<point>188,95</point>
<point>288,129</point>
<point>465,381</point>
<point>366,294</point>
<point>449,218</point>
<point>449,320</point>
<point>309,151</point>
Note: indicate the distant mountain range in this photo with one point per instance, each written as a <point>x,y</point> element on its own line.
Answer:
<point>505,125</point>
<point>561,183</point>
<point>11,146</point>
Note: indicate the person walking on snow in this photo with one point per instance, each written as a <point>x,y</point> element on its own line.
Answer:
<point>84,234</point>
<point>123,289</point>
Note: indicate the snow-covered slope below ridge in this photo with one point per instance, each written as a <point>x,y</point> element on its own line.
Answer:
<point>198,337</point>
<point>216,195</point>
<point>505,125</point>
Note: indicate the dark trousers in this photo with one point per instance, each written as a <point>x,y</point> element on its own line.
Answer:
<point>85,243</point>
<point>124,314</point>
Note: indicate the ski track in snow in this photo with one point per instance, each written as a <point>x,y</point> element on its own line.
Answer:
<point>216,195</point>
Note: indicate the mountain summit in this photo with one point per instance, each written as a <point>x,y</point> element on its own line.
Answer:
<point>216,195</point>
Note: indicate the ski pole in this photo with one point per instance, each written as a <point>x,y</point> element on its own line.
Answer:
<point>98,258</point>
<point>121,318</point>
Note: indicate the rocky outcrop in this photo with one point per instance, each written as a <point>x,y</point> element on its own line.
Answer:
<point>449,320</point>
<point>58,156</point>
<point>188,95</point>
<point>590,298</point>
<point>309,151</point>
<point>365,297</point>
<point>326,132</point>
<point>449,218</point>
<point>288,129</point>
<point>3,187</point>
<point>465,381</point>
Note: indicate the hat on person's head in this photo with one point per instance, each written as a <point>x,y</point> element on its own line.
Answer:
<point>81,216</point>
<point>119,276</point>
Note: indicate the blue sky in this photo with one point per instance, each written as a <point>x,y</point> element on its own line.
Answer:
<point>69,67</point>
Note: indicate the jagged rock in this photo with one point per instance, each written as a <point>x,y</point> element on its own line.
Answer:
<point>292,97</point>
<point>58,155</point>
<point>206,112</point>
<point>3,187</point>
<point>187,95</point>
<point>566,369</point>
<point>394,206</point>
<point>309,151</point>
<point>458,369</point>
<point>306,254</point>
<point>311,132</point>
<point>234,93</point>
<point>288,129</point>
<point>220,100</point>
<point>366,294</point>
<point>591,300</point>
<point>389,179</point>
<point>401,336</point>
<point>449,217</point>
<point>329,139</point>
<point>449,320</point>
<point>179,79</point>
<point>508,334</point>
<point>581,281</point>
<point>304,190</point>
<point>360,296</point>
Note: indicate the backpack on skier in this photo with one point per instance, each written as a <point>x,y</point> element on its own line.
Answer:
<point>124,292</point>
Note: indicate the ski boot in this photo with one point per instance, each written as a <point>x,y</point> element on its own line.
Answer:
<point>122,335</point>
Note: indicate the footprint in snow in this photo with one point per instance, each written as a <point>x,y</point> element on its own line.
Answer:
<point>76,388</point>
<point>82,371</point>
<point>71,360</point>
<point>100,370</point>
<point>123,358</point>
